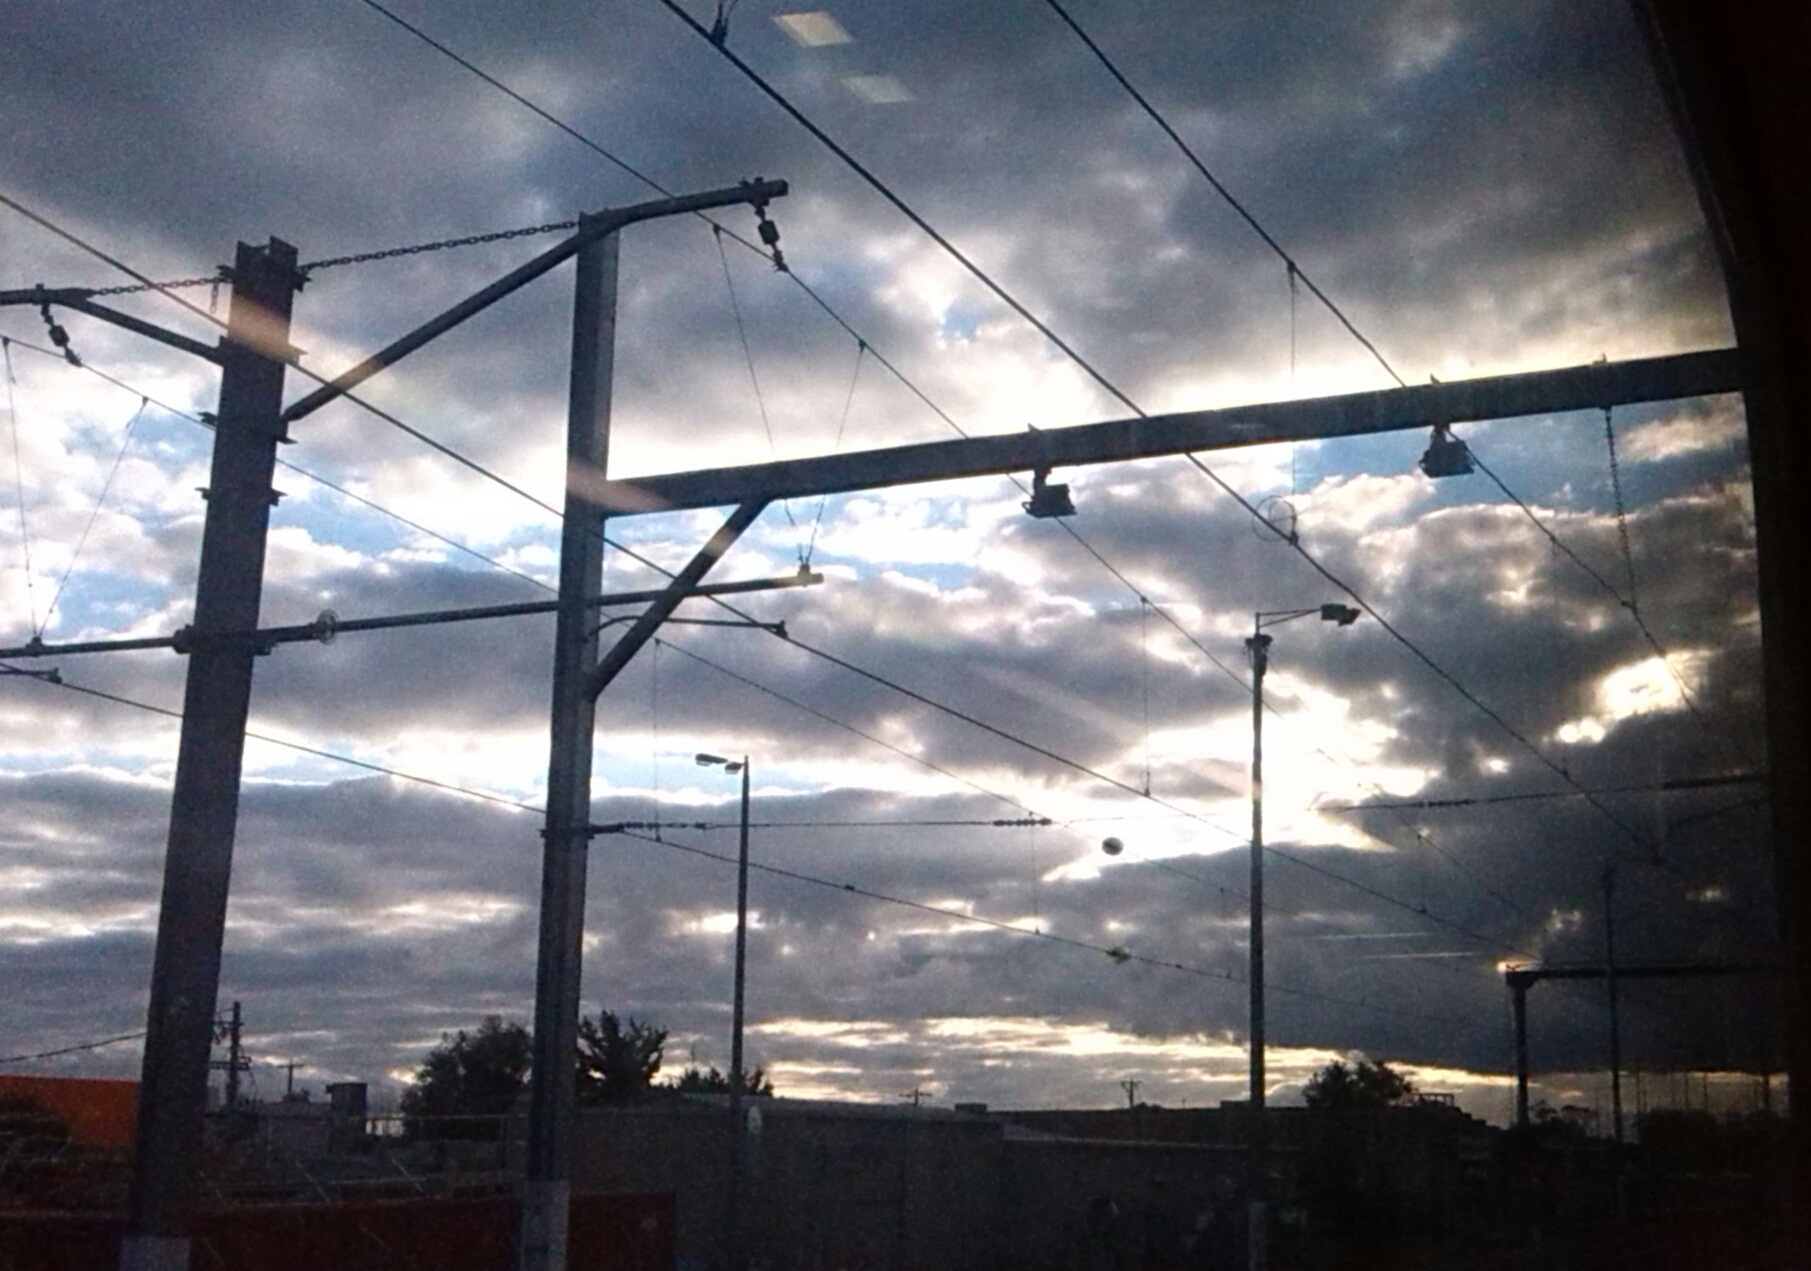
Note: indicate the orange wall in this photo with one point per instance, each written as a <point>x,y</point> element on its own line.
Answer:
<point>98,1111</point>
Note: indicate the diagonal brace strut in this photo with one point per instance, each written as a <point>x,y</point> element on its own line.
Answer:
<point>644,627</point>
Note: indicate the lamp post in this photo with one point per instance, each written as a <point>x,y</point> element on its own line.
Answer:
<point>1258,1184</point>
<point>736,1081</point>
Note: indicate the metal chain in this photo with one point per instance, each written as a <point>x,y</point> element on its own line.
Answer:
<point>224,274</point>
<point>471,240</point>
<point>176,285</point>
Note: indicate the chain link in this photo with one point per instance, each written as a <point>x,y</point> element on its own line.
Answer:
<point>472,240</point>
<point>178,284</point>
<point>224,274</point>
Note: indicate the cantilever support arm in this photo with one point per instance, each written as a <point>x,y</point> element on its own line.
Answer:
<point>613,662</point>
<point>591,229</point>
<point>82,301</point>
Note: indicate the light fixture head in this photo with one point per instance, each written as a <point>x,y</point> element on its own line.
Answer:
<point>1344,615</point>
<point>1047,500</point>
<point>1446,455</point>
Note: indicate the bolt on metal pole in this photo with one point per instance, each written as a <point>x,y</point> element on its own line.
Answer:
<point>204,804</point>
<point>1257,1220</point>
<point>546,1185</point>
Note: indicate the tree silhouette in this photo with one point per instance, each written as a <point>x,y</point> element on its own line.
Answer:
<point>617,1062</point>
<point>468,1083</point>
<point>695,1080</point>
<point>1339,1087</point>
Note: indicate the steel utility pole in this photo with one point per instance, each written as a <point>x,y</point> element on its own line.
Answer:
<point>737,1082</point>
<point>732,1209</point>
<point>204,806</point>
<point>546,1192</point>
<point>1257,1230</point>
<point>1609,975</point>
<point>1257,1221</point>
<point>579,676</point>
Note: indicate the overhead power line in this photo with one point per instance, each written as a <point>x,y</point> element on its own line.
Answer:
<point>1118,954</point>
<point>1676,784</point>
<point>203,421</point>
<point>981,275</point>
<point>1295,270</point>
<point>1044,328</point>
<point>71,1050</point>
<point>481,470</point>
<point>1032,814</point>
<point>862,346</point>
<point>882,680</point>
<point>1625,603</point>
<point>1296,274</point>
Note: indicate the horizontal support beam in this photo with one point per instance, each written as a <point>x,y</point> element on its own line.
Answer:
<point>1353,414</point>
<point>1522,977</point>
<point>270,637</point>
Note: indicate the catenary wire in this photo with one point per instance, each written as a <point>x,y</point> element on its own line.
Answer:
<point>1725,779</point>
<point>203,422</point>
<point>1033,816</point>
<point>1269,849</point>
<point>93,516</point>
<point>1626,603</point>
<point>1118,954</point>
<point>748,357</point>
<point>12,415</point>
<point>481,470</point>
<point>905,209</point>
<point>862,345</point>
<point>1294,267</point>
<point>861,342</point>
<point>71,1050</point>
<point>842,424</point>
<point>478,468</point>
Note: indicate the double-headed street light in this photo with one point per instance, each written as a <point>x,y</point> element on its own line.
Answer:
<point>1258,646</point>
<point>736,1083</point>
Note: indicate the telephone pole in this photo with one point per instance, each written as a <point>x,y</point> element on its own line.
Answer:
<point>235,1061</point>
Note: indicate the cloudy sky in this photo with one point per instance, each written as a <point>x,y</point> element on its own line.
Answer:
<point>1483,188</point>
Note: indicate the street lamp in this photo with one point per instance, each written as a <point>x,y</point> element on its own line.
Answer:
<point>1258,646</point>
<point>736,1083</point>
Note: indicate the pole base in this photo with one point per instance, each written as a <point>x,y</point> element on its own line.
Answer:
<point>546,1216</point>
<point>154,1253</point>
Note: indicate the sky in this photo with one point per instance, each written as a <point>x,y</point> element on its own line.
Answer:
<point>1482,188</point>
